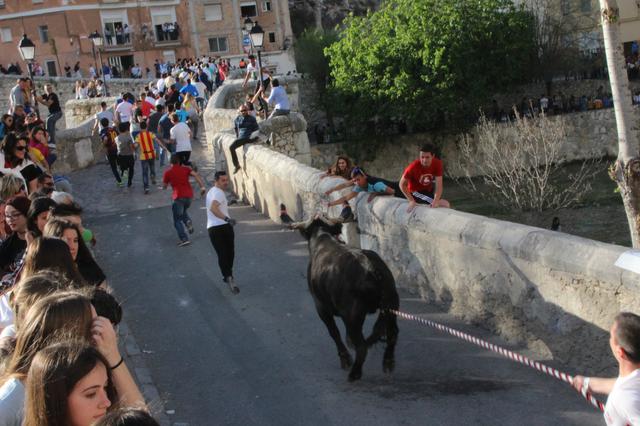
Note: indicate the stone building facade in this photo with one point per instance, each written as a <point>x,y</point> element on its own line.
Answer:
<point>140,30</point>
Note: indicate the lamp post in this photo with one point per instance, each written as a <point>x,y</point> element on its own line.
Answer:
<point>28,53</point>
<point>98,41</point>
<point>257,40</point>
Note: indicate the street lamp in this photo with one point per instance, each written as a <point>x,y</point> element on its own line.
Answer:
<point>28,53</point>
<point>98,41</point>
<point>257,40</point>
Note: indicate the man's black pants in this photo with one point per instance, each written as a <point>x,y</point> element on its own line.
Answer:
<point>235,145</point>
<point>184,157</point>
<point>222,240</point>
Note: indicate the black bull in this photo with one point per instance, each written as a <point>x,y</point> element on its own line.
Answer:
<point>351,283</point>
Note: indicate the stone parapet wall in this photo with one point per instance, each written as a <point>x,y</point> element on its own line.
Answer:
<point>554,292</point>
<point>287,134</point>
<point>77,148</point>
<point>77,112</point>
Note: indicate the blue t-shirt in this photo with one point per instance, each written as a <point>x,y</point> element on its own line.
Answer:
<point>191,89</point>
<point>182,115</point>
<point>166,125</point>
<point>378,187</point>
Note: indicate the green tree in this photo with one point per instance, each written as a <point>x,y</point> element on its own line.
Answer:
<point>430,62</point>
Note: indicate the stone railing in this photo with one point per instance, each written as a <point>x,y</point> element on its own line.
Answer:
<point>553,292</point>
<point>288,133</point>
<point>76,148</point>
<point>77,112</point>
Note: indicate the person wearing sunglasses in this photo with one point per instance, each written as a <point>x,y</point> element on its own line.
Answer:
<point>16,159</point>
<point>245,125</point>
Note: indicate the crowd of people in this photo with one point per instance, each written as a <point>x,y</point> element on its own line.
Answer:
<point>59,356</point>
<point>557,104</point>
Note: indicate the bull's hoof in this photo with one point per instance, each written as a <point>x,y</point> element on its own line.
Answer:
<point>388,365</point>
<point>353,376</point>
<point>346,361</point>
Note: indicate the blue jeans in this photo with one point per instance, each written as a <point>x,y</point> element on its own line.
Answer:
<point>148,165</point>
<point>51,125</point>
<point>181,217</point>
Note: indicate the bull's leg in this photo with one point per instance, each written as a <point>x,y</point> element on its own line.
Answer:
<point>354,330</point>
<point>343,352</point>
<point>388,361</point>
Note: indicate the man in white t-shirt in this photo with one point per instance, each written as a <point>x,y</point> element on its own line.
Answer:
<point>104,113</point>
<point>278,97</point>
<point>124,111</point>
<point>220,228</point>
<point>180,135</point>
<point>623,403</point>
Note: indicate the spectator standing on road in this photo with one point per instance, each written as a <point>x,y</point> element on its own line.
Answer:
<point>178,177</point>
<point>623,403</point>
<point>180,135</point>
<point>164,129</point>
<point>52,102</point>
<point>421,182</point>
<point>220,228</point>
<point>125,153</point>
<point>244,126</point>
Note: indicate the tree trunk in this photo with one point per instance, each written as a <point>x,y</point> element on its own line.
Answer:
<point>319,4</point>
<point>626,170</point>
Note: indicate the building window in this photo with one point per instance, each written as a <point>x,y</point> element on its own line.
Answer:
<point>164,20</point>
<point>585,5</point>
<point>272,37</point>
<point>218,44</point>
<point>5,34</point>
<point>266,6</point>
<point>51,69</point>
<point>43,31</point>
<point>566,7</point>
<point>213,12</point>
<point>248,9</point>
<point>113,27</point>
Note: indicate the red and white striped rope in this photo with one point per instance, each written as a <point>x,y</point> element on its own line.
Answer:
<point>504,352</point>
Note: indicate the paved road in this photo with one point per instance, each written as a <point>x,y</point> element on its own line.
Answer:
<point>264,358</point>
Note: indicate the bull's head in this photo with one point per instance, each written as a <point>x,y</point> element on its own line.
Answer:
<point>316,223</point>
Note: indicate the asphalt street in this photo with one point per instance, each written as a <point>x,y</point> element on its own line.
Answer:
<point>263,357</point>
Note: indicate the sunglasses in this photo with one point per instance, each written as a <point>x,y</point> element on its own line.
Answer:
<point>21,148</point>
<point>13,216</point>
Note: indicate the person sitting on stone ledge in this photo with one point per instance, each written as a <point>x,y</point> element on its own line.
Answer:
<point>421,182</point>
<point>361,183</point>
<point>342,168</point>
<point>244,125</point>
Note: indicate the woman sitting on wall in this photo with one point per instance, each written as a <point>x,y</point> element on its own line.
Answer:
<point>341,168</point>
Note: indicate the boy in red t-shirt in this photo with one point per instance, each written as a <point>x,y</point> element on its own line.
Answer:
<point>421,181</point>
<point>178,177</point>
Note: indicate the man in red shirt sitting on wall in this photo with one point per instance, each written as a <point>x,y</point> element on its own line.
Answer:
<point>421,181</point>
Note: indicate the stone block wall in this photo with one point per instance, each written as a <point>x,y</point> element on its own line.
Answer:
<point>77,148</point>
<point>553,292</point>
<point>77,112</point>
<point>287,133</point>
